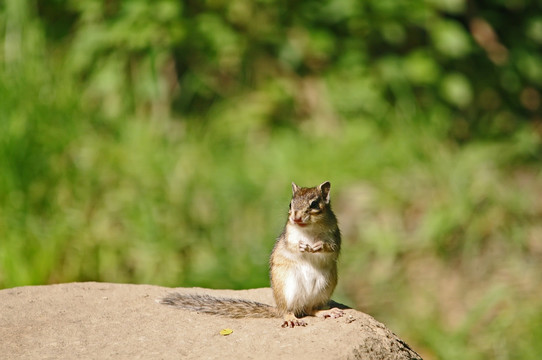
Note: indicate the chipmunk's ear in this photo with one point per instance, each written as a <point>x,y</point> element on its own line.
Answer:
<point>294,188</point>
<point>324,188</point>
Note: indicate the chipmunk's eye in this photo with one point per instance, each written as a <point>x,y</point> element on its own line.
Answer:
<point>315,204</point>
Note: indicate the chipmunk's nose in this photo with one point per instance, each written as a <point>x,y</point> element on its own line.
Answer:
<point>297,219</point>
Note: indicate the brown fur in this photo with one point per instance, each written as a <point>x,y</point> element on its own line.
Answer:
<point>234,308</point>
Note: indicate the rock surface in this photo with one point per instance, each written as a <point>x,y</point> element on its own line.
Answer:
<point>121,321</point>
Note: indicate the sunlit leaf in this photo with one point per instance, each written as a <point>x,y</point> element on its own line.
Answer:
<point>226,332</point>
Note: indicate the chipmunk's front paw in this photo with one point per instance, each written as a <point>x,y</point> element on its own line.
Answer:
<point>303,246</point>
<point>317,246</point>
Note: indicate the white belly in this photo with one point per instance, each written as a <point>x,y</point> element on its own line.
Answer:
<point>306,287</point>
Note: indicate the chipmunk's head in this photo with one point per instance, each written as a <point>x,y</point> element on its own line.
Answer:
<point>309,205</point>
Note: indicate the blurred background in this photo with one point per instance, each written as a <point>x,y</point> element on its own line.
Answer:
<point>155,142</point>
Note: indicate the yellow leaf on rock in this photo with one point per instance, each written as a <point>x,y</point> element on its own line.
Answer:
<point>225,332</point>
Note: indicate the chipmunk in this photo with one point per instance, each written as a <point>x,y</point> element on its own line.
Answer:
<point>303,266</point>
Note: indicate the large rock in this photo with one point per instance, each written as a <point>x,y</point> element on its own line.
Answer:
<point>120,321</point>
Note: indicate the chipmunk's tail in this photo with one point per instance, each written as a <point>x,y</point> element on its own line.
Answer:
<point>230,307</point>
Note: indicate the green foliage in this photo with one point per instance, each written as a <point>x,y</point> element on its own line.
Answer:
<point>155,141</point>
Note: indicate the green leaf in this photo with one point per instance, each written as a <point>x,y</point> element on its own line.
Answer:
<point>456,89</point>
<point>450,38</point>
